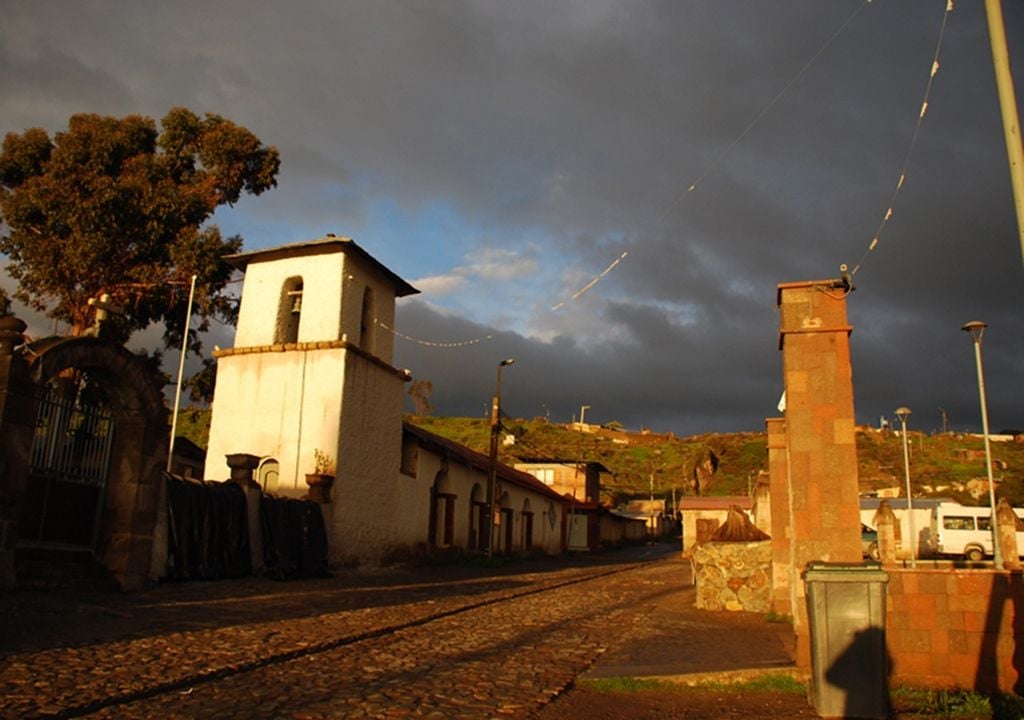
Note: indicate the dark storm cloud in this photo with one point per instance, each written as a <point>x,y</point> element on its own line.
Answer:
<point>578,127</point>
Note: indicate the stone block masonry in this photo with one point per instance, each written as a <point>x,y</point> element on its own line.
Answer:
<point>814,467</point>
<point>956,628</point>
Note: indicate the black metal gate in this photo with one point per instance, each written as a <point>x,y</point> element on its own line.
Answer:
<point>69,465</point>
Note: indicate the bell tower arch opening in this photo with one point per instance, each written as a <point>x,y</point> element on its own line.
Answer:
<point>289,312</point>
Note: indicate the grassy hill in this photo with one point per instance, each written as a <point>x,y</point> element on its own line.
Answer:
<point>940,465</point>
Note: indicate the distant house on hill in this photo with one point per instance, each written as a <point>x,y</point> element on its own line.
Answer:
<point>580,480</point>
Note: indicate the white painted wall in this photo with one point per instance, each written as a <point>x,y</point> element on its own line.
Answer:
<point>277,404</point>
<point>321,275</point>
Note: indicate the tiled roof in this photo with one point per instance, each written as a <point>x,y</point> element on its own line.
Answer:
<point>473,459</point>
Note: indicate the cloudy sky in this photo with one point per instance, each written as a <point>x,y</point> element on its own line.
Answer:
<point>501,155</point>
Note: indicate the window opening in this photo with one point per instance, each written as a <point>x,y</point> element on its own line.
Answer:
<point>289,312</point>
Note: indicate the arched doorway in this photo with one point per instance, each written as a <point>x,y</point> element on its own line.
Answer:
<point>526,541</point>
<point>506,517</point>
<point>477,518</point>
<point>85,449</point>
<point>442,511</point>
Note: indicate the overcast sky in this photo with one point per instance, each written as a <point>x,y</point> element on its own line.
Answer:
<point>501,155</point>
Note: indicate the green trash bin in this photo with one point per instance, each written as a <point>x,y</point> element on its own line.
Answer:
<point>849,658</point>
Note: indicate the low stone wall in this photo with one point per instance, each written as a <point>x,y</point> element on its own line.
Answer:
<point>734,576</point>
<point>956,628</point>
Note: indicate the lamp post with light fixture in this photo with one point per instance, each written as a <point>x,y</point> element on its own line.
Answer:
<point>976,328</point>
<point>903,413</point>
<point>492,470</point>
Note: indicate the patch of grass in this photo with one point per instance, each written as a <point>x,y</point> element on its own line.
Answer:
<point>953,703</point>
<point>627,684</point>
<point>773,617</point>
<point>775,682</point>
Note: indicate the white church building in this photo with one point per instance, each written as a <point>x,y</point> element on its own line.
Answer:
<point>309,387</point>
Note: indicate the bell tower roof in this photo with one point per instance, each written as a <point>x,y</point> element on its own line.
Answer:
<point>324,245</point>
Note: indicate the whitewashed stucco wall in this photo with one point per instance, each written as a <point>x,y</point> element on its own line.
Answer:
<point>412,514</point>
<point>278,404</point>
<point>321,298</point>
<point>369,446</point>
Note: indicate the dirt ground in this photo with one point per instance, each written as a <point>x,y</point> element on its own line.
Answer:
<point>686,703</point>
<point>583,703</point>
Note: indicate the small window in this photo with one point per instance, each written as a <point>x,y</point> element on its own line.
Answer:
<point>984,523</point>
<point>958,522</point>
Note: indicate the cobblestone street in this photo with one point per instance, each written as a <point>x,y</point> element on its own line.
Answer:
<point>452,642</point>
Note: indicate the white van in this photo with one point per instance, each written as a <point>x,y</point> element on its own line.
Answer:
<point>965,531</point>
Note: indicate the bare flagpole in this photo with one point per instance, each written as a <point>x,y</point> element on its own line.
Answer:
<point>181,372</point>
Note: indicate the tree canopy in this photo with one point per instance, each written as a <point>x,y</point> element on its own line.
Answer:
<point>113,206</point>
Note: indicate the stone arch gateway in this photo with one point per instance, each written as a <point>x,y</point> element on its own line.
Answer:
<point>127,498</point>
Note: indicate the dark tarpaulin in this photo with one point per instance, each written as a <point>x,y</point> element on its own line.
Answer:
<point>294,538</point>
<point>208,531</point>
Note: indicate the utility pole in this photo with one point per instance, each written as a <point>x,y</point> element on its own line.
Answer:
<point>1008,108</point>
<point>492,471</point>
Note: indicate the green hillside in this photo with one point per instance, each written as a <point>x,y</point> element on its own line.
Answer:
<point>941,465</point>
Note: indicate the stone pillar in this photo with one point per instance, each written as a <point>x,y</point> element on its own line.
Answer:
<point>242,467</point>
<point>782,524</point>
<point>814,338</point>
<point>18,408</point>
<point>885,524</point>
<point>1006,534</point>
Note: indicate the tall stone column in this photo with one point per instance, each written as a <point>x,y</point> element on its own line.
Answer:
<point>782,522</point>
<point>814,338</point>
<point>19,404</point>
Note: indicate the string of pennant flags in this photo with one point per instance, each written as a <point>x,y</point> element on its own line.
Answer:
<point>887,216</point>
<point>720,158</point>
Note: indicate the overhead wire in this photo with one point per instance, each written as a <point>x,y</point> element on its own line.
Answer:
<point>887,216</point>
<point>691,188</point>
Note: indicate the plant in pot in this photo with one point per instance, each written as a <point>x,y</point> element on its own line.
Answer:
<point>322,477</point>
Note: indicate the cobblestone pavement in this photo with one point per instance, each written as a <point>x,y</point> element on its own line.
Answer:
<point>441,644</point>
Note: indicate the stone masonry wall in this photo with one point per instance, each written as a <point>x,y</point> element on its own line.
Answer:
<point>959,628</point>
<point>734,576</point>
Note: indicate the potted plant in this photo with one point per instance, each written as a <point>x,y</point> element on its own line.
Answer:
<point>322,477</point>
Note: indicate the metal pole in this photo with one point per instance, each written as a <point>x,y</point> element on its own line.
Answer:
<point>181,372</point>
<point>997,553</point>
<point>902,414</point>
<point>492,466</point>
<point>1008,107</point>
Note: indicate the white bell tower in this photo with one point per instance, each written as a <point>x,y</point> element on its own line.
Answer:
<point>310,373</point>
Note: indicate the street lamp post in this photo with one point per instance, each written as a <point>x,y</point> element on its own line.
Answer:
<point>903,413</point>
<point>583,413</point>
<point>492,470</point>
<point>976,328</point>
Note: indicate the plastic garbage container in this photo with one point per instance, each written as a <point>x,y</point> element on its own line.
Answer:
<point>849,659</point>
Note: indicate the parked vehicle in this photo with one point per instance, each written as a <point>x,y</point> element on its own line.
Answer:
<point>965,531</point>
<point>868,542</point>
